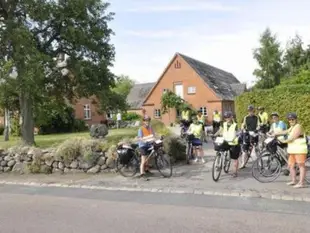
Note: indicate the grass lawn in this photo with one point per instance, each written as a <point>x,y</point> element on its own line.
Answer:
<point>44,141</point>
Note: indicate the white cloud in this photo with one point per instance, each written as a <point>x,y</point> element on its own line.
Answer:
<point>183,6</point>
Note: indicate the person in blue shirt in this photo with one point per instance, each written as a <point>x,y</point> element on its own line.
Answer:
<point>277,126</point>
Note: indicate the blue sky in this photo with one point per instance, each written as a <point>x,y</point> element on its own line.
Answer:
<point>220,33</point>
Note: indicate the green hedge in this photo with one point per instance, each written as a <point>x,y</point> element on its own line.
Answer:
<point>282,99</point>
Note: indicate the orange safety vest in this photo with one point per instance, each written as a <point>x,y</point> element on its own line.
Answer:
<point>146,131</point>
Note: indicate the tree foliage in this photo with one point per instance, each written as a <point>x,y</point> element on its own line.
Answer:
<point>268,57</point>
<point>170,100</point>
<point>59,48</point>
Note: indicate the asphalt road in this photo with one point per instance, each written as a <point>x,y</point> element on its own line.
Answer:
<point>58,210</point>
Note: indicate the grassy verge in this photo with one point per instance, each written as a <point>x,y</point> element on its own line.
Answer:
<point>45,141</point>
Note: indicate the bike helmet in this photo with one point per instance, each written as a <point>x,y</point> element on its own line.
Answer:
<point>275,114</point>
<point>292,115</point>
<point>147,118</point>
<point>250,108</point>
<point>261,108</point>
<point>228,114</point>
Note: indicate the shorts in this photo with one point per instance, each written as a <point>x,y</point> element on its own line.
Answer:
<point>196,142</point>
<point>235,152</point>
<point>144,151</point>
<point>294,158</point>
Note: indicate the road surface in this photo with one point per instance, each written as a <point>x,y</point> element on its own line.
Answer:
<point>49,210</point>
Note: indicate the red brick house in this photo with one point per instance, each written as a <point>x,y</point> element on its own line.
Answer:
<point>203,86</point>
<point>86,109</point>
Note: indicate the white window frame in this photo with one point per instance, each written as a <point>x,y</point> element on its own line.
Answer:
<point>191,90</point>
<point>157,113</point>
<point>204,111</point>
<point>87,112</point>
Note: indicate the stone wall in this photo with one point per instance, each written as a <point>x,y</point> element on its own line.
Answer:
<point>25,160</point>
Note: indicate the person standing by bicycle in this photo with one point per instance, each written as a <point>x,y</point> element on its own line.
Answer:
<point>264,119</point>
<point>202,121</point>
<point>296,148</point>
<point>250,123</point>
<point>145,134</point>
<point>196,129</point>
<point>277,126</point>
<point>216,123</point>
<point>229,133</point>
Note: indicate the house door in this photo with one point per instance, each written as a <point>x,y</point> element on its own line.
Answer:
<point>178,90</point>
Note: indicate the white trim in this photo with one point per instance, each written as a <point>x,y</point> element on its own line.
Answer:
<point>87,112</point>
<point>191,90</point>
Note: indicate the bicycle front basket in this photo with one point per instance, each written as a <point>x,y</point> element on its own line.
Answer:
<point>220,144</point>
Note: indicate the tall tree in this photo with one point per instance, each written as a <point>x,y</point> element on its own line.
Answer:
<point>123,85</point>
<point>268,57</point>
<point>295,57</point>
<point>59,48</point>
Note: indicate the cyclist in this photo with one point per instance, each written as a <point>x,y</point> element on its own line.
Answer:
<point>185,116</point>
<point>202,121</point>
<point>216,121</point>
<point>297,149</point>
<point>263,117</point>
<point>229,133</point>
<point>251,123</point>
<point>277,126</point>
<point>196,129</point>
<point>145,134</point>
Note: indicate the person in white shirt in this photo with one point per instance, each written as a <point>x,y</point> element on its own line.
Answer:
<point>118,119</point>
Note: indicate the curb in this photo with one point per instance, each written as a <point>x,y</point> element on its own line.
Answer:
<point>232,193</point>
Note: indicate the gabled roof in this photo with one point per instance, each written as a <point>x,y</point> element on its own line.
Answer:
<point>224,84</point>
<point>138,93</point>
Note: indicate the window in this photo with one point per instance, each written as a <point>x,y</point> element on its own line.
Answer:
<point>204,111</point>
<point>178,89</point>
<point>191,90</point>
<point>157,113</point>
<point>87,112</point>
<point>165,90</point>
<point>109,115</point>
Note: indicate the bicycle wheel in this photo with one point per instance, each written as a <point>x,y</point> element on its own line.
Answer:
<point>266,168</point>
<point>217,167</point>
<point>163,164</point>
<point>227,162</point>
<point>130,169</point>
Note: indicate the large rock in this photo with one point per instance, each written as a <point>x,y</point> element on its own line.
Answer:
<point>101,161</point>
<point>45,169</point>
<point>3,163</point>
<point>99,130</point>
<point>55,164</point>
<point>20,168</point>
<point>57,171</point>
<point>36,153</point>
<point>7,158</point>
<point>61,165</point>
<point>11,163</point>
<point>74,164</point>
<point>7,169</point>
<point>84,165</point>
<point>94,169</point>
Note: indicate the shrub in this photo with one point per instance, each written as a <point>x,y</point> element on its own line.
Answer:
<point>282,99</point>
<point>175,147</point>
<point>79,125</point>
<point>131,116</point>
<point>160,127</point>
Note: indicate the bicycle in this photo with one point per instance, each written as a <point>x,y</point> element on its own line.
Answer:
<point>129,157</point>
<point>249,144</point>
<point>222,158</point>
<point>190,148</point>
<point>275,152</point>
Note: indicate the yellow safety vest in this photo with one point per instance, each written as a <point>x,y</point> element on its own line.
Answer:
<point>185,115</point>
<point>196,130</point>
<point>229,134</point>
<point>201,118</point>
<point>217,117</point>
<point>263,117</point>
<point>298,146</point>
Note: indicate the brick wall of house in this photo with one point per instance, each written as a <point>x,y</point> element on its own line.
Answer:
<point>80,113</point>
<point>204,97</point>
